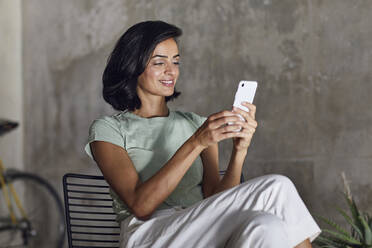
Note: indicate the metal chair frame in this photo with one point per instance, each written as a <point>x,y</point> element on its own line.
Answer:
<point>90,219</point>
<point>81,194</point>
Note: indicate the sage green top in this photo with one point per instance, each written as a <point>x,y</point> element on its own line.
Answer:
<point>150,143</point>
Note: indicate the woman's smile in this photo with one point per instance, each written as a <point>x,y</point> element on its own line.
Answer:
<point>167,83</point>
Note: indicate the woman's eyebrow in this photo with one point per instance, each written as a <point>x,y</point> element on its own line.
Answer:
<point>164,56</point>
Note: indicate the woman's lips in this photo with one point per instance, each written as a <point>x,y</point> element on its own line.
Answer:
<point>168,83</point>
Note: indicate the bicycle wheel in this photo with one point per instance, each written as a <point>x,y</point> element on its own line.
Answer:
<point>44,211</point>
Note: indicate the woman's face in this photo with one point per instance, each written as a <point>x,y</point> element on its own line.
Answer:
<point>161,73</point>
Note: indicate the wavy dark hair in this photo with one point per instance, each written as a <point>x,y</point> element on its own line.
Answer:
<point>128,61</point>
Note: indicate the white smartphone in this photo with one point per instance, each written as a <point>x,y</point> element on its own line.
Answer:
<point>245,93</point>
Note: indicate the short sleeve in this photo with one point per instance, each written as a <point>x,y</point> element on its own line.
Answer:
<point>195,118</point>
<point>105,129</point>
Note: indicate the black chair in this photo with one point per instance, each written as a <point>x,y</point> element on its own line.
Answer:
<point>89,216</point>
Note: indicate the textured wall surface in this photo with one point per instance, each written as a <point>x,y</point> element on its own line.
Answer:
<point>11,144</point>
<point>11,93</point>
<point>312,60</point>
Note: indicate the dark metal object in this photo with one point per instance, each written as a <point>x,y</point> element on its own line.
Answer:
<point>6,126</point>
<point>89,215</point>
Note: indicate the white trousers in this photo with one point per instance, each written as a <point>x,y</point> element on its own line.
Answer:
<point>263,212</point>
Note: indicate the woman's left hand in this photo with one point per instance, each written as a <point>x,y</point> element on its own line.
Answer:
<point>248,127</point>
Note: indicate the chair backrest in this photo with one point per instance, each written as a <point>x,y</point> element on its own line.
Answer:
<point>89,215</point>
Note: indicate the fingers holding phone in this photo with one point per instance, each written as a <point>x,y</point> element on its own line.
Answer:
<point>229,124</point>
<point>249,117</point>
<point>246,110</point>
<point>245,94</point>
<point>215,128</point>
<point>247,127</point>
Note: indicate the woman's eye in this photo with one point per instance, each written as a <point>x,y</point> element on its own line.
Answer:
<point>176,63</point>
<point>159,63</point>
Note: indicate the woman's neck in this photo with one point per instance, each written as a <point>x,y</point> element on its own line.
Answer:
<point>151,109</point>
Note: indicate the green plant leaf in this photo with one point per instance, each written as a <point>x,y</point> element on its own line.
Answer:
<point>345,238</point>
<point>344,243</point>
<point>335,226</point>
<point>327,241</point>
<point>367,231</point>
<point>369,219</point>
<point>354,211</point>
<point>350,221</point>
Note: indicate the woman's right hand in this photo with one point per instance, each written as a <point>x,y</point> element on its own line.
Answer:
<point>215,128</point>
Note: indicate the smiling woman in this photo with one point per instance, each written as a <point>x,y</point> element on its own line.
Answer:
<point>137,52</point>
<point>161,73</point>
<point>162,166</point>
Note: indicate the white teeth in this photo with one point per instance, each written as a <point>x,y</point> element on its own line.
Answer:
<point>167,82</point>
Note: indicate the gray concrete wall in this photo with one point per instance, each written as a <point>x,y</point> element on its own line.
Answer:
<point>312,60</point>
<point>11,98</point>
<point>11,87</point>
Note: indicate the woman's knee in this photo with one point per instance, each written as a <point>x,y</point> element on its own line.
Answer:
<point>281,180</point>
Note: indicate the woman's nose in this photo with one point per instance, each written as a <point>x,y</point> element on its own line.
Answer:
<point>171,69</point>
